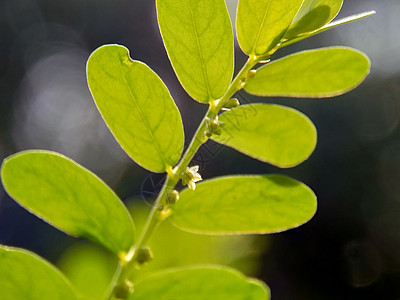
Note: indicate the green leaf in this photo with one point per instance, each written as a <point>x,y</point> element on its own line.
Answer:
<point>202,283</point>
<point>275,134</point>
<point>69,197</point>
<point>190,249</point>
<point>312,15</point>
<point>89,268</point>
<point>260,25</point>
<point>137,107</point>
<point>244,205</point>
<point>326,27</point>
<point>198,37</point>
<point>316,73</point>
<point>24,275</point>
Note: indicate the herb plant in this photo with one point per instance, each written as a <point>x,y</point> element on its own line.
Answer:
<point>140,112</point>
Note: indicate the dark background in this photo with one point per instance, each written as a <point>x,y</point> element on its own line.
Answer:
<point>349,250</point>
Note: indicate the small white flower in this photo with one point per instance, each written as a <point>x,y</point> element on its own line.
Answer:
<point>190,177</point>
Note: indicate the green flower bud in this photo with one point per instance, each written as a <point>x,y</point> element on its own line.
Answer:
<point>263,59</point>
<point>123,290</point>
<point>241,83</point>
<point>232,103</point>
<point>144,255</point>
<point>172,197</point>
<point>213,126</point>
<point>250,74</point>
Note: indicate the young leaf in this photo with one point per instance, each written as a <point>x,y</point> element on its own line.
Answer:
<point>24,275</point>
<point>316,73</point>
<point>69,197</point>
<point>206,282</point>
<point>276,134</point>
<point>326,27</point>
<point>244,205</point>
<point>312,15</point>
<point>198,37</point>
<point>137,107</point>
<point>260,25</point>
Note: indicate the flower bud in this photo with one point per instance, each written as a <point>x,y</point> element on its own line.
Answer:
<point>250,74</point>
<point>232,103</point>
<point>144,255</point>
<point>213,127</point>
<point>123,290</point>
<point>172,197</point>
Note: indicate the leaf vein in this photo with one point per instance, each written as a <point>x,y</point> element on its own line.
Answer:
<point>203,67</point>
<point>144,119</point>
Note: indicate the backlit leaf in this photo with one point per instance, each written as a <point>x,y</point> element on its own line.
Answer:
<point>275,134</point>
<point>89,268</point>
<point>24,275</point>
<point>137,107</point>
<point>326,27</point>
<point>312,15</point>
<point>198,37</point>
<point>244,205</point>
<point>69,197</point>
<point>200,283</point>
<point>316,73</point>
<point>260,25</point>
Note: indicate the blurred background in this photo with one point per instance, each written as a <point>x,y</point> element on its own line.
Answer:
<point>349,250</point>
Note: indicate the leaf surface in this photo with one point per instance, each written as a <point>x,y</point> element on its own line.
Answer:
<point>312,15</point>
<point>137,107</point>
<point>327,27</point>
<point>24,275</point>
<point>275,134</point>
<point>198,37</point>
<point>89,268</point>
<point>69,197</point>
<point>244,205</point>
<point>260,25</point>
<point>200,283</point>
<point>319,73</point>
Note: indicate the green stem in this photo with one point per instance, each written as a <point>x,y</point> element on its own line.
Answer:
<point>160,211</point>
<point>113,282</point>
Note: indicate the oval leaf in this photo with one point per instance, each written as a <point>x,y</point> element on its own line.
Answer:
<point>198,37</point>
<point>202,283</point>
<point>275,134</point>
<point>325,72</point>
<point>260,25</point>
<point>137,107</point>
<point>24,275</point>
<point>326,27</point>
<point>244,205</point>
<point>312,15</point>
<point>69,197</point>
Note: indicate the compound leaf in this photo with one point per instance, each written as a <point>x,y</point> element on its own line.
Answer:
<point>260,25</point>
<point>326,27</point>
<point>24,275</point>
<point>69,197</point>
<point>137,107</point>
<point>312,15</point>
<point>198,37</point>
<point>202,283</point>
<point>275,134</point>
<point>316,73</point>
<point>244,205</point>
